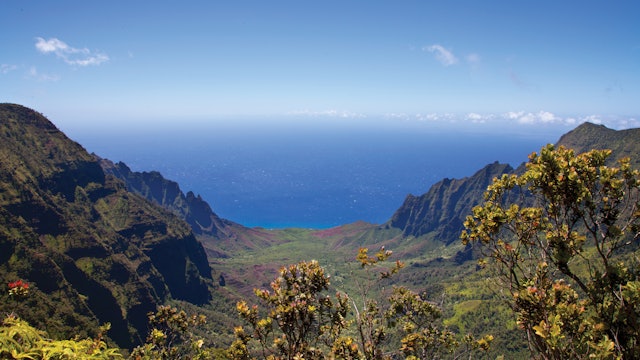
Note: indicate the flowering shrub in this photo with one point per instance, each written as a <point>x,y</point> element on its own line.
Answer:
<point>19,340</point>
<point>568,222</point>
<point>18,288</point>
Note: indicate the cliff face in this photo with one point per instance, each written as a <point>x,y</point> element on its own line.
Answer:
<point>92,251</point>
<point>444,207</point>
<point>442,210</point>
<point>218,236</point>
<point>166,193</point>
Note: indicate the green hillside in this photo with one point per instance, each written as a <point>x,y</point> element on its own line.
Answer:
<point>623,143</point>
<point>91,251</point>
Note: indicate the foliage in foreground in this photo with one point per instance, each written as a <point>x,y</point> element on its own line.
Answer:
<point>19,340</point>
<point>172,337</point>
<point>561,238</point>
<point>303,322</point>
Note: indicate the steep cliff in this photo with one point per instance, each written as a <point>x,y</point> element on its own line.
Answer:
<point>219,236</point>
<point>92,251</point>
<point>166,193</point>
<point>442,210</point>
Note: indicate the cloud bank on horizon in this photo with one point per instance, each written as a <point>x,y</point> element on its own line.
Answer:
<point>523,118</point>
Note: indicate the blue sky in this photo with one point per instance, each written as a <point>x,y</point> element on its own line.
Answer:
<point>481,62</point>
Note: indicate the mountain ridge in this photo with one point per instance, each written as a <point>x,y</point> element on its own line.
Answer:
<point>440,212</point>
<point>92,251</point>
<point>587,136</point>
<point>167,193</point>
<point>219,236</point>
<point>442,209</point>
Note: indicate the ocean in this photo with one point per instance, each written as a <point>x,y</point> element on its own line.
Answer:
<point>312,176</point>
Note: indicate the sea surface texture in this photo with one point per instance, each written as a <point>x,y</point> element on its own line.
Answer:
<point>312,176</point>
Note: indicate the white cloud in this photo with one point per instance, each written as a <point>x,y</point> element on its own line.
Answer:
<point>7,68</point>
<point>329,113</point>
<point>435,116</point>
<point>611,121</point>
<point>51,45</point>
<point>476,118</point>
<point>427,117</point>
<point>543,117</point>
<point>628,123</point>
<point>445,56</point>
<point>519,118</point>
<point>33,72</point>
<point>513,115</point>
<point>547,117</point>
<point>430,117</point>
<point>595,119</point>
<point>70,55</point>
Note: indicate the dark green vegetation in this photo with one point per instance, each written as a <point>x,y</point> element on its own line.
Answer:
<point>100,243</point>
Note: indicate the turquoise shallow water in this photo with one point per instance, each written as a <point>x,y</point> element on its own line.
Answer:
<point>311,178</point>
